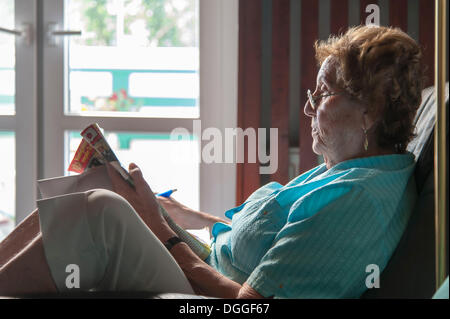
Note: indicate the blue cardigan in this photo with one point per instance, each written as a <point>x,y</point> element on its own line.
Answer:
<point>328,233</point>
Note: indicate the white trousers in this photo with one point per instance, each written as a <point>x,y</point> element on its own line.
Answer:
<point>97,238</point>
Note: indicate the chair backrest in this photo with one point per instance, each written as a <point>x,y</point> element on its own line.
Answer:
<point>410,272</point>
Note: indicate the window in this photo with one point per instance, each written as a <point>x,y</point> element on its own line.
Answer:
<point>7,58</point>
<point>139,71</point>
<point>148,49</point>
<point>18,142</point>
<point>7,107</point>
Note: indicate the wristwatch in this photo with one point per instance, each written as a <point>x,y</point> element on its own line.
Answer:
<point>172,242</point>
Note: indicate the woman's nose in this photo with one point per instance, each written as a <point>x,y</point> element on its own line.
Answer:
<point>308,109</point>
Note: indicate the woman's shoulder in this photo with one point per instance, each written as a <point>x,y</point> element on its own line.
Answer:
<point>358,187</point>
<point>378,175</point>
<point>389,163</point>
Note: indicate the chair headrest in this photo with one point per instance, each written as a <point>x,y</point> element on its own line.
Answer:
<point>422,146</point>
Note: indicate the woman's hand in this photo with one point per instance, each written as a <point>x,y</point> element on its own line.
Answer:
<point>184,216</point>
<point>141,197</point>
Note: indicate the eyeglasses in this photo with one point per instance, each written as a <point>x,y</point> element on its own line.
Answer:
<point>313,99</point>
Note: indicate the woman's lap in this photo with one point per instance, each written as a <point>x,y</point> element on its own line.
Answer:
<point>98,233</point>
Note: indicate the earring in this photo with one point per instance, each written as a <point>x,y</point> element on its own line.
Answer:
<point>366,141</point>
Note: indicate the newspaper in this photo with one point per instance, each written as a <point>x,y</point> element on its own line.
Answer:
<point>89,160</point>
<point>93,151</point>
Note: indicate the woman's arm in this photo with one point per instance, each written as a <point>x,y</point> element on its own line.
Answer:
<point>204,279</point>
<point>186,217</point>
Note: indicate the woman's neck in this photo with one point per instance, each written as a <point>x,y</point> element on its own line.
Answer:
<point>331,161</point>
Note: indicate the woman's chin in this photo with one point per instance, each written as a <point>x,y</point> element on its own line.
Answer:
<point>316,148</point>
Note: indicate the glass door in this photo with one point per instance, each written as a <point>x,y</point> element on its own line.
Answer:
<point>138,68</point>
<point>133,58</point>
<point>18,115</point>
<point>7,111</point>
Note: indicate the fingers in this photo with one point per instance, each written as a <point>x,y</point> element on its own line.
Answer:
<point>117,181</point>
<point>168,202</point>
<point>138,178</point>
<point>135,173</point>
<point>163,200</point>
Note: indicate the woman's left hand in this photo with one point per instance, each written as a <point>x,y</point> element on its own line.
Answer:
<point>141,197</point>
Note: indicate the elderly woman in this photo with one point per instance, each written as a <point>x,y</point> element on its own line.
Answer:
<point>315,237</point>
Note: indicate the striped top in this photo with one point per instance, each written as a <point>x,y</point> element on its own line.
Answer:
<point>316,236</point>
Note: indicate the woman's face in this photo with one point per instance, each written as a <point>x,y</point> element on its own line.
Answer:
<point>337,121</point>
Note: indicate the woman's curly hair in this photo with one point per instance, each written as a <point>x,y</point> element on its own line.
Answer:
<point>381,67</point>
